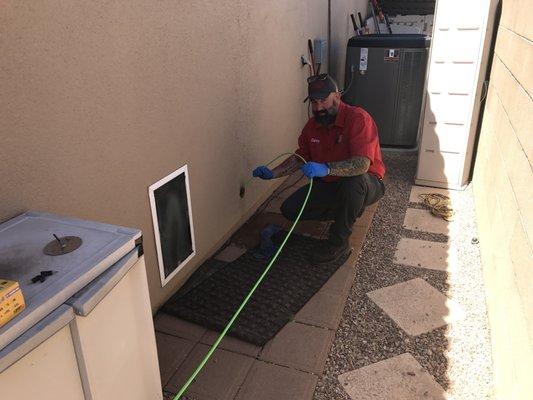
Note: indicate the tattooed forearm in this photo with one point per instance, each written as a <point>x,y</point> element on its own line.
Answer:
<point>351,167</point>
<point>287,167</point>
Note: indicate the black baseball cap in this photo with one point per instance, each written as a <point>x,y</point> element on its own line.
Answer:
<point>320,86</point>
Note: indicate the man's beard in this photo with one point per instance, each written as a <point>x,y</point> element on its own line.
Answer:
<point>325,117</point>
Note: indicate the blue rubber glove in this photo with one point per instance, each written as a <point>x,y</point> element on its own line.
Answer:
<point>314,170</point>
<point>263,172</point>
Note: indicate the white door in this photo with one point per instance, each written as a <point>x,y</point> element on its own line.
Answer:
<point>453,92</point>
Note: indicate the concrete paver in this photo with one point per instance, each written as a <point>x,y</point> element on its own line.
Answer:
<point>171,325</point>
<point>426,254</point>
<point>357,238</point>
<point>171,352</point>
<point>400,377</point>
<point>324,310</point>
<point>299,346</point>
<point>231,253</point>
<point>366,218</point>
<point>423,220</point>
<point>340,282</point>
<point>220,379</point>
<point>231,344</point>
<point>287,366</point>
<point>416,306</point>
<point>273,382</point>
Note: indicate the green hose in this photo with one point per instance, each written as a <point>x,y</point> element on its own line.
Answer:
<point>249,295</point>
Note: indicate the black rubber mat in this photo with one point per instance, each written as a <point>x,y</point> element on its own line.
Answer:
<point>290,283</point>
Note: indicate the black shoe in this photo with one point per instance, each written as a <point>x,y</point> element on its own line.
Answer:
<point>330,252</point>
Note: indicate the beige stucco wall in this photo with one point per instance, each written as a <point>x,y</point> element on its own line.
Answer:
<point>503,187</point>
<point>100,99</point>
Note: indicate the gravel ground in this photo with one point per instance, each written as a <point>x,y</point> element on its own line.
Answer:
<point>457,355</point>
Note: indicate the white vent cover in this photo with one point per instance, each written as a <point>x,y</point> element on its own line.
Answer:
<point>170,201</point>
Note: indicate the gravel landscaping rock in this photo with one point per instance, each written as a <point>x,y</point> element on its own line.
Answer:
<point>457,355</point>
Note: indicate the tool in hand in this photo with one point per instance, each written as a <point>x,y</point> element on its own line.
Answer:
<point>261,171</point>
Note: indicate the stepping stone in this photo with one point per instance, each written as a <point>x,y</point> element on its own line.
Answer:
<point>231,344</point>
<point>426,254</point>
<point>424,221</point>
<point>171,352</point>
<point>299,346</point>
<point>274,382</point>
<point>400,377</point>
<point>416,306</point>
<point>220,378</point>
<point>324,310</point>
<point>417,190</point>
<point>231,253</point>
<point>171,325</point>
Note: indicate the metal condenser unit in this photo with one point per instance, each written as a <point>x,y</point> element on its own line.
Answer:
<point>385,75</point>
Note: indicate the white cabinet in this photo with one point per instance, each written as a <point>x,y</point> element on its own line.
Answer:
<point>114,335</point>
<point>87,330</point>
<point>48,370</point>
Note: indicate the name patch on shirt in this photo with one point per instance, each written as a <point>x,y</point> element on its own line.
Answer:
<point>314,140</point>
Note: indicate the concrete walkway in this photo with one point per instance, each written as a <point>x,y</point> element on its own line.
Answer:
<point>404,318</point>
<point>288,366</point>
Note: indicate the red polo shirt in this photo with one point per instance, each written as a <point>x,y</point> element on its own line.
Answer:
<point>354,133</point>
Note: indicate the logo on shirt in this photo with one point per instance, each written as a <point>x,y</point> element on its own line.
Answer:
<point>314,140</point>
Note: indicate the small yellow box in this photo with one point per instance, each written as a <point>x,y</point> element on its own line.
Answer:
<point>11,301</point>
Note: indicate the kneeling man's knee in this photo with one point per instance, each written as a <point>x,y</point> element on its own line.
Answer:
<point>354,185</point>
